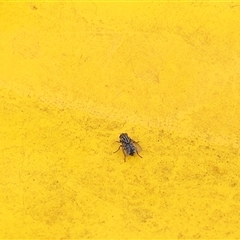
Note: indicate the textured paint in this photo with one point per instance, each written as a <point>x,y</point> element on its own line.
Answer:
<point>73,76</point>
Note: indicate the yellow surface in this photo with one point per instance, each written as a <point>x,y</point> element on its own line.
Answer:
<point>73,76</point>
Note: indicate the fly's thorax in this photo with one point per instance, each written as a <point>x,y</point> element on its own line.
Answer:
<point>124,138</point>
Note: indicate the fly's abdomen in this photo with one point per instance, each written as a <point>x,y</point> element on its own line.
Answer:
<point>129,149</point>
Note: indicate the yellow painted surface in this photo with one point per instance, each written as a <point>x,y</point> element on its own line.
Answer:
<point>73,76</point>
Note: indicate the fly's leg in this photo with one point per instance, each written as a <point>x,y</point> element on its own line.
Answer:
<point>118,149</point>
<point>124,153</point>
<point>138,154</point>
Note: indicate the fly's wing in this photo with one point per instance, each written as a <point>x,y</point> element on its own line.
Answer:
<point>137,146</point>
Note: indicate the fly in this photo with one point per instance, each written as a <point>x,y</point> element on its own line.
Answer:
<point>129,146</point>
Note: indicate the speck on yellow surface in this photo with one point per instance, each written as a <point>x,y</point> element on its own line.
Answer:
<point>73,76</point>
